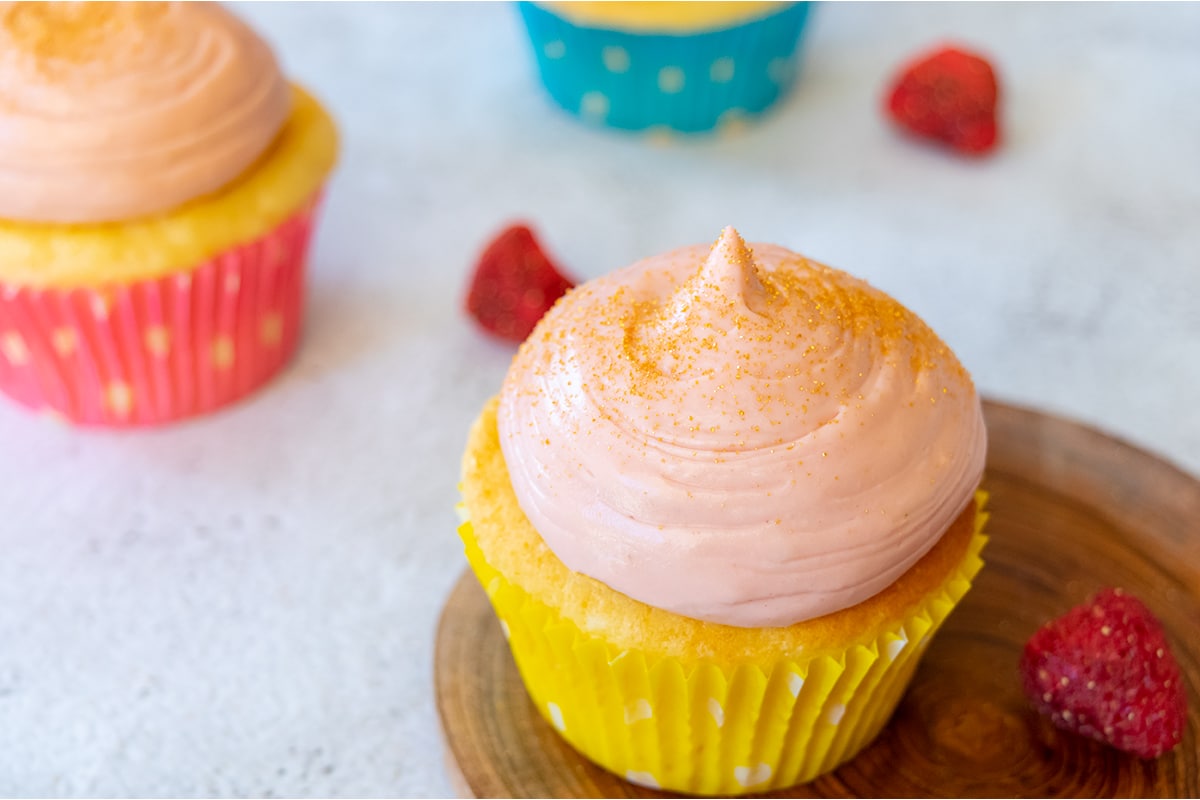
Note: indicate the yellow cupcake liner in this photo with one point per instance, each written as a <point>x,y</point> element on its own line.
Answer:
<point>705,728</point>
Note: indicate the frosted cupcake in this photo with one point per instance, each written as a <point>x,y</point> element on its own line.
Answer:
<point>674,66</point>
<point>724,498</point>
<point>158,182</point>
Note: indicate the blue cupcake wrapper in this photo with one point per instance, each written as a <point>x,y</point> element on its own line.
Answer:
<point>689,83</point>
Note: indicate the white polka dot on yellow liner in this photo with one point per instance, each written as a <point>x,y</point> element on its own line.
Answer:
<point>638,711</point>
<point>795,684</point>
<point>119,398</point>
<point>222,352</point>
<point>556,717</point>
<point>752,776</point>
<point>670,80</point>
<point>717,712</point>
<point>64,341</point>
<point>594,105</point>
<point>642,779</point>
<point>721,70</point>
<point>158,341</point>
<point>616,59</point>
<point>555,49</point>
<point>896,646</point>
<point>270,332</point>
<point>14,349</point>
<point>835,714</point>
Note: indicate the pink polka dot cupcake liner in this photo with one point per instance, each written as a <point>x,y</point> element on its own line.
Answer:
<point>157,351</point>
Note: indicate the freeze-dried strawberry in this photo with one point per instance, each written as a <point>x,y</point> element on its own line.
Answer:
<point>949,96</point>
<point>514,285</point>
<point>1105,670</point>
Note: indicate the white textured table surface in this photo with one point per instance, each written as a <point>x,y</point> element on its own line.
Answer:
<point>246,604</point>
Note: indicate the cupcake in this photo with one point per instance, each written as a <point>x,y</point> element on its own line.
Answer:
<point>723,500</point>
<point>676,66</point>
<point>159,179</point>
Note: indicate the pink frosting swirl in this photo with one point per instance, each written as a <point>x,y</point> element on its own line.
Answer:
<point>116,111</point>
<point>739,435</point>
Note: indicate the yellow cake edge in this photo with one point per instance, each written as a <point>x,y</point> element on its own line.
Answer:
<point>67,256</point>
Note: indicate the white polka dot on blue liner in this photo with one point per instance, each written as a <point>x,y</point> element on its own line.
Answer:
<point>616,59</point>
<point>721,70</point>
<point>732,122</point>
<point>779,70</point>
<point>594,105</point>
<point>555,49</point>
<point>659,135</point>
<point>670,80</point>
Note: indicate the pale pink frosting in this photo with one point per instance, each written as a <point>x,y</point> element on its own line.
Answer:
<point>117,111</point>
<point>739,435</point>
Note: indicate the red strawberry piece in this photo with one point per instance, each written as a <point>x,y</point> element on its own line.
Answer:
<point>514,285</point>
<point>1105,670</point>
<point>949,96</point>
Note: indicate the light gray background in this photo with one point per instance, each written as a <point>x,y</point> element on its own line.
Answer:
<point>246,604</point>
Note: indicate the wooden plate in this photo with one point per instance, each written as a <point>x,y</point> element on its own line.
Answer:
<point>1072,510</point>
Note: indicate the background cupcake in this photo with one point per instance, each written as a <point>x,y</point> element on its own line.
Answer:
<point>682,66</point>
<point>723,501</point>
<point>158,182</point>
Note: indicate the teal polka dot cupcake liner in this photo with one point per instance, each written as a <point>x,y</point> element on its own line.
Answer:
<point>689,83</point>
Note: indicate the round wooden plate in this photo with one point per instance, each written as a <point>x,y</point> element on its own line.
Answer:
<point>1072,510</point>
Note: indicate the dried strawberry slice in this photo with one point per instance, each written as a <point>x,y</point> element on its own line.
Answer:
<point>948,96</point>
<point>514,285</point>
<point>1105,670</point>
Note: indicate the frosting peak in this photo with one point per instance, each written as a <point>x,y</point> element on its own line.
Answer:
<point>113,111</point>
<point>737,434</point>
<point>726,285</point>
<point>729,274</point>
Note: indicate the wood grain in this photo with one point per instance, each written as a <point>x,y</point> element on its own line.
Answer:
<point>1072,510</point>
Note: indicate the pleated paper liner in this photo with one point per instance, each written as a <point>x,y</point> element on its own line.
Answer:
<point>709,729</point>
<point>689,83</point>
<point>156,351</point>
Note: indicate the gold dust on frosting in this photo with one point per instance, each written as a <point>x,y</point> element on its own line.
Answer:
<point>77,32</point>
<point>756,352</point>
<point>728,301</point>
